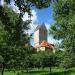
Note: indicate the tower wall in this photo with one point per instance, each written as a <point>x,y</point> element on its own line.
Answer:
<point>40,35</point>
<point>36,38</point>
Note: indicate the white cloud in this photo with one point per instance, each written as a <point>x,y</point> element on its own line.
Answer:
<point>1,2</point>
<point>33,18</point>
<point>52,40</point>
<point>47,26</point>
<point>14,7</point>
<point>26,17</point>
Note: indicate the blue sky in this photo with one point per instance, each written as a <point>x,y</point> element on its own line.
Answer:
<point>45,15</point>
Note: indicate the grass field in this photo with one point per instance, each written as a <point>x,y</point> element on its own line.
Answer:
<point>46,71</point>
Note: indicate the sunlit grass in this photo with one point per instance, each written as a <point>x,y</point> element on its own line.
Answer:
<point>45,71</point>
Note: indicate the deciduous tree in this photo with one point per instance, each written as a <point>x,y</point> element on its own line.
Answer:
<point>64,16</point>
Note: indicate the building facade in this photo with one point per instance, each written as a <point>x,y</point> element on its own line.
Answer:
<point>40,39</point>
<point>40,34</point>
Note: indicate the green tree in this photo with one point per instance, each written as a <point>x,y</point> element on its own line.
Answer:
<point>2,64</point>
<point>64,16</point>
<point>12,27</point>
<point>26,5</point>
<point>67,59</point>
<point>10,35</point>
<point>43,59</point>
<point>49,60</point>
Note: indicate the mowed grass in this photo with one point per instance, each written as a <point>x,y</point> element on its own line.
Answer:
<point>46,71</point>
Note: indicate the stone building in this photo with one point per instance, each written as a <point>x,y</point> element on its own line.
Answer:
<point>40,39</point>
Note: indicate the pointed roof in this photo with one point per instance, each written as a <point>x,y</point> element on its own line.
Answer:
<point>40,26</point>
<point>46,44</point>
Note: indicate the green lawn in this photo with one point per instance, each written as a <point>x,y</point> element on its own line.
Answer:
<point>55,71</point>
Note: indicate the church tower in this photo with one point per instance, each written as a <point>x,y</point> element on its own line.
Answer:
<point>40,39</point>
<point>40,34</point>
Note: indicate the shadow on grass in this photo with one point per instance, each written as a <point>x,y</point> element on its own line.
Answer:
<point>61,73</point>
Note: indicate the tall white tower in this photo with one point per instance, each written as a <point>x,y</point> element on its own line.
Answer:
<point>40,34</point>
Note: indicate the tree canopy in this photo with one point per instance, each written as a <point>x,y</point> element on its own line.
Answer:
<point>26,5</point>
<point>12,36</point>
<point>64,16</point>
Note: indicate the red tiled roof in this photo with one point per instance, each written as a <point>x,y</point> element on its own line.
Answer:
<point>45,44</point>
<point>37,46</point>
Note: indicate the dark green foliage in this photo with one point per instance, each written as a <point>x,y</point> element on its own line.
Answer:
<point>11,38</point>
<point>43,59</point>
<point>10,24</point>
<point>12,34</point>
<point>26,5</point>
<point>64,26</point>
<point>68,59</point>
<point>64,16</point>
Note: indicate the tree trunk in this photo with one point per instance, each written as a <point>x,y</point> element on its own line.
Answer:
<point>3,67</point>
<point>27,70</point>
<point>50,69</point>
